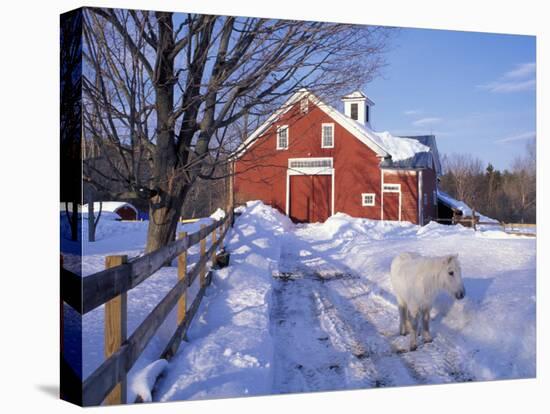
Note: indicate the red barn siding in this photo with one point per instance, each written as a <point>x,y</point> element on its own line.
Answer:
<point>409,192</point>
<point>357,172</point>
<point>391,206</point>
<point>429,182</point>
<point>310,198</point>
<point>261,173</point>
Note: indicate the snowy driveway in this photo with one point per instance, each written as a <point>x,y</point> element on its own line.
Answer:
<point>333,329</point>
<point>309,308</point>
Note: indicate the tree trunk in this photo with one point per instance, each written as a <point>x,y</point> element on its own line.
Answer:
<point>165,207</point>
<point>74,221</point>
<point>163,221</point>
<point>91,221</point>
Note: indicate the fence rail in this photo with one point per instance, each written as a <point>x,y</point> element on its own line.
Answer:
<point>109,287</point>
<point>474,222</point>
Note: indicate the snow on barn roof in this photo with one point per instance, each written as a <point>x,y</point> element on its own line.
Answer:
<point>461,207</point>
<point>454,204</point>
<point>397,152</point>
<point>429,141</point>
<point>406,152</point>
<point>109,206</point>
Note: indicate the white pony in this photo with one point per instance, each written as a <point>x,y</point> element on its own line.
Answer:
<point>416,281</point>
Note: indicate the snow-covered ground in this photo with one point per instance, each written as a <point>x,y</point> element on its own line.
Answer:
<point>310,308</point>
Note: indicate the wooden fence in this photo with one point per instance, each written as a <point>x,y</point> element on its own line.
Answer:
<point>108,382</point>
<point>473,221</point>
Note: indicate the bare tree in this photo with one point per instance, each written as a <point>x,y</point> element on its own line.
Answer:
<point>462,172</point>
<point>521,186</point>
<point>70,117</point>
<point>508,196</point>
<point>167,97</point>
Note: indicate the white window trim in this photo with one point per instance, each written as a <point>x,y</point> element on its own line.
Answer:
<point>368,204</point>
<point>311,170</point>
<point>279,129</point>
<point>322,137</point>
<point>304,105</point>
<point>395,188</point>
<point>420,191</point>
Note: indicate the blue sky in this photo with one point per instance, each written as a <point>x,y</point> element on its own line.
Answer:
<point>474,91</point>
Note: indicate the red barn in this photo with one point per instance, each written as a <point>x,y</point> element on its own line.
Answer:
<point>310,161</point>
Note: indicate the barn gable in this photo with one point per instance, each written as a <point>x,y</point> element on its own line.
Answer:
<point>310,161</point>
<point>350,125</point>
<point>405,152</point>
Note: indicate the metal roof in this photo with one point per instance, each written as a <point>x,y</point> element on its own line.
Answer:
<point>419,160</point>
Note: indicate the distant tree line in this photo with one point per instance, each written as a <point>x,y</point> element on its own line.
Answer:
<point>508,195</point>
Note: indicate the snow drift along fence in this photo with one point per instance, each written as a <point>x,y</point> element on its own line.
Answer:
<point>107,384</point>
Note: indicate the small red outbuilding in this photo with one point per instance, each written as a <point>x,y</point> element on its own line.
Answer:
<point>125,211</point>
<point>310,161</point>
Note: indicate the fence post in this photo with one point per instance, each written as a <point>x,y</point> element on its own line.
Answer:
<point>214,239</point>
<point>474,219</point>
<point>61,310</point>
<point>203,251</point>
<point>182,273</point>
<point>115,330</point>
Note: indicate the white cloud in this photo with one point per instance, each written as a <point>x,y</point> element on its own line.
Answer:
<point>506,87</point>
<point>522,70</point>
<point>519,79</point>
<point>518,137</point>
<point>426,121</point>
<point>411,112</point>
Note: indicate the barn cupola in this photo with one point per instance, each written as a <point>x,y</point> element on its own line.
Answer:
<point>358,106</point>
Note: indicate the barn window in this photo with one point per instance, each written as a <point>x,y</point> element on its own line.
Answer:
<point>327,140</point>
<point>354,111</point>
<point>282,137</point>
<point>392,188</point>
<point>434,195</point>
<point>367,199</point>
<point>304,105</point>
<point>310,163</point>
<point>367,113</point>
<point>425,199</point>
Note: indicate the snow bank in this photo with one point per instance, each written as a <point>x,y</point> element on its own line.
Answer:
<point>230,349</point>
<point>346,227</point>
<point>143,382</point>
<point>218,214</point>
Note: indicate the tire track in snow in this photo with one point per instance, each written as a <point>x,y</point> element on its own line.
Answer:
<point>303,358</point>
<point>376,359</point>
<point>440,361</point>
<point>370,312</point>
